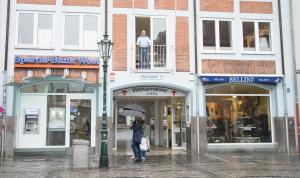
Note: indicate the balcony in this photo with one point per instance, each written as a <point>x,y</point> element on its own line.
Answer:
<point>151,58</point>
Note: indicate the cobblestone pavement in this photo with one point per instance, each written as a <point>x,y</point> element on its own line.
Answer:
<point>209,165</point>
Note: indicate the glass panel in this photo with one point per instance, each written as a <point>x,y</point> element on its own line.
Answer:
<point>90,31</point>
<point>56,120</point>
<point>241,119</point>
<point>80,120</point>
<point>249,35</point>
<point>209,38</point>
<point>45,30</point>
<point>225,34</point>
<point>177,123</point>
<point>236,89</point>
<point>159,42</point>
<point>143,43</point>
<point>57,88</point>
<point>72,30</point>
<point>264,36</point>
<point>25,28</point>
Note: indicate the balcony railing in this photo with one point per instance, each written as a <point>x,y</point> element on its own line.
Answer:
<point>146,59</point>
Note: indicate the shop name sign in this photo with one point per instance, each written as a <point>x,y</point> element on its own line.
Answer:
<point>64,60</point>
<point>148,91</point>
<point>240,79</point>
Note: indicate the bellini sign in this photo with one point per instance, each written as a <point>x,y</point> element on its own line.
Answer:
<point>241,79</point>
<point>60,60</point>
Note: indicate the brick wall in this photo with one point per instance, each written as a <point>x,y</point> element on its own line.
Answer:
<point>256,7</point>
<point>164,4</point>
<point>217,5</point>
<point>182,45</point>
<point>238,66</point>
<point>93,3</point>
<point>47,2</point>
<point>182,4</point>
<point>120,42</point>
<point>122,3</point>
<point>141,4</point>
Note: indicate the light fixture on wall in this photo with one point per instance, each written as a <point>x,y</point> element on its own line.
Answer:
<point>66,73</point>
<point>47,73</point>
<point>83,75</point>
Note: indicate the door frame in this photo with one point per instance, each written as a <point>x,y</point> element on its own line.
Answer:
<point>81,96</point>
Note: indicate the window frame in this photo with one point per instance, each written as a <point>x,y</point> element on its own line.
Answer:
<point>217,48</point>
<point>35,44</point>
<point>257,49</point>
<point>81,31</point>
<point>153,69</point>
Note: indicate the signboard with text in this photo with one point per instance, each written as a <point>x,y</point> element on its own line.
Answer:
<point>240,79</point>
<point>148,91</point>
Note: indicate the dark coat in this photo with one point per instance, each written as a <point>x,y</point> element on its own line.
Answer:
<point>137,132</point>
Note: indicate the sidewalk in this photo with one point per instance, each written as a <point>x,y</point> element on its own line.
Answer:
<point>210,165</point>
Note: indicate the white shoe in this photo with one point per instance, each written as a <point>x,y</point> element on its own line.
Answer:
<point>132,157</point>
<point>143,158</point>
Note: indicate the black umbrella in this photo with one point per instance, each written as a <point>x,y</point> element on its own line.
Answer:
<point>131,113</point>
<point>134,107</point>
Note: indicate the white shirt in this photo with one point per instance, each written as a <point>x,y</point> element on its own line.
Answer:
<point>143,41</point>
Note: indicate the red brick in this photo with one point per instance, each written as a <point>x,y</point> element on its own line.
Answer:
<point>182,45</point>
<point>164,4</point>
<point>141,4</point>
<point>217,5</point>
<point>256,7</point>
<point>46,2</point>
<point>122,3</point>
<point>182,4</point>
<point>92,3</point>
<point>120,42</point>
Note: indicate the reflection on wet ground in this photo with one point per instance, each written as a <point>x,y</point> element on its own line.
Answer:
<point>171,165</point>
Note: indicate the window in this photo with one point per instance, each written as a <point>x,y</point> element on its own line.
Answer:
<point>81,31</point>
<point>217,35</point>
<point>238,114</point>
<point>257,36</point>
<point>35,29</point>
<point>151,43</point>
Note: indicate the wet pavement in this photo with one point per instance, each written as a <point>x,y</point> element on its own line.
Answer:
<point>183,165</point>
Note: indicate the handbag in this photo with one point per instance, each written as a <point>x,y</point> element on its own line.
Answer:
<point>145,144</point>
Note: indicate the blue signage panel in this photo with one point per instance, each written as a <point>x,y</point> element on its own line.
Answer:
<point>65,60</point>
<point>240,79</point>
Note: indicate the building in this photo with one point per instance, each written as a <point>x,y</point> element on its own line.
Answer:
<point>210,80</point>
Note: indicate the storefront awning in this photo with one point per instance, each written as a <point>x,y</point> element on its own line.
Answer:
<point>52,79</point>
<point>241,79</point>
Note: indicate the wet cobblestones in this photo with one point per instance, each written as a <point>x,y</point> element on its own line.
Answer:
<point>210,165</point>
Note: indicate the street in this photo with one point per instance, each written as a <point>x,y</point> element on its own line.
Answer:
<point>208,165</point>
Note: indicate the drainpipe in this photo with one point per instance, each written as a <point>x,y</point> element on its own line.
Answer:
<point>294,64</point>
<point>283,82</point>
<point>7,34</point>
<point>196,72</point>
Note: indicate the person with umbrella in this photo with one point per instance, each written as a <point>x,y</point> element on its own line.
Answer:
<point>136,138</point>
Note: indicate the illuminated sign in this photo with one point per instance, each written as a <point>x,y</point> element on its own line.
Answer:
<point>240,79</point>
<point>62,60</point>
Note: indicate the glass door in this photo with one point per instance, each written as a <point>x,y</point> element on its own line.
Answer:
<point>80,119</point>
<point>179,124</point>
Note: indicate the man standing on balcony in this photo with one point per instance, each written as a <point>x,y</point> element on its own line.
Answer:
<point>143,42</point>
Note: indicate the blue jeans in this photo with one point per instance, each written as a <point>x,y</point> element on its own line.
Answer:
<point>144,52</point>
<point>136,150</point>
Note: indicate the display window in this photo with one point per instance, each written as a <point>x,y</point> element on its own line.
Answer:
<point>238,114</point>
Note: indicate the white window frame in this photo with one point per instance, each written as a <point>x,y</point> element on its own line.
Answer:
<point>81,32</point>
<point>217,48</point>
<point>256,31</point>
<point>35,30</point>
<point>159,69</point>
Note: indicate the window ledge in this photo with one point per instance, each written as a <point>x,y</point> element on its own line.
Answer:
<point>152,71</point>
<point>218,52</point>
<point>34,48</point>
<point>258,52</point>
<point>77,49</point>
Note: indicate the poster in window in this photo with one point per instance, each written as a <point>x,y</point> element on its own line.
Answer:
<point>57,118</point>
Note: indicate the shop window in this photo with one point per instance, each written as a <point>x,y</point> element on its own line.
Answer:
<point>81,31</point>
<point>56,120</point>
<point>217,35</point>
<point>238,118</point>
<point>35,30</point>
<point>257,36</point>
<point>151,43</point>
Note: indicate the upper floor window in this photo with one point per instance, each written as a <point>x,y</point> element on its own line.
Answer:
<point>151,42</point>
<point>257,36</point>
<point>35,29</point>
<point>217,35</point>
<point>81,31</point>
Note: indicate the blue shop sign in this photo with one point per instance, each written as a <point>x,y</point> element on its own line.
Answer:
<point>65,60</point>
<point>240,79</point>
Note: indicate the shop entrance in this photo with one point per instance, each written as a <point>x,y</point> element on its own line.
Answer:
<point>165,122</point>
